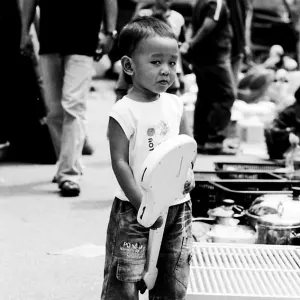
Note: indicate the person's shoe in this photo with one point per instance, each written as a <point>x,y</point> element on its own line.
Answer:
<point>4,146</point>
<point>87,148</point>
<point>69,188</point>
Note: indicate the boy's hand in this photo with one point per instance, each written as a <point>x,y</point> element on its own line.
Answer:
<point>190,182</point>
<point>158,223</point>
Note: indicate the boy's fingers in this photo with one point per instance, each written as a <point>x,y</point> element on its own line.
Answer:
<point>158,223</point>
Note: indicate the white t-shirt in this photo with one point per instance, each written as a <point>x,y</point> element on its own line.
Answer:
<point>146,125</point>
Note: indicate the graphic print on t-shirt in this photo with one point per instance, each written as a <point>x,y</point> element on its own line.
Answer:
<point>159,131</point>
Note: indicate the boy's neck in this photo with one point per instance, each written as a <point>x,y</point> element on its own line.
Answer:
<point>142,96</point>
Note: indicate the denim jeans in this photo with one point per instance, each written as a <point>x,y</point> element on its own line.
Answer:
<point>66,86</point>
<point>126,250</point>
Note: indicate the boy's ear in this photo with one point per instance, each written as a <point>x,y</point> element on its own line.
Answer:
<point>127,65</point>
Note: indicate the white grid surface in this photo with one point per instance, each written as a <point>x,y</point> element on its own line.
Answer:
<point>235,271</point>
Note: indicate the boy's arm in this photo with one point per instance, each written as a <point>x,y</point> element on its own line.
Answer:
<point>119,151</point>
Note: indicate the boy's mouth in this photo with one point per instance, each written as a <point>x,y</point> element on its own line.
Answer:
<point>164,82</point>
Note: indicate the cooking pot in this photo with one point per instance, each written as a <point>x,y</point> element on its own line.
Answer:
<point>276,218</point>
<point>226,229</point>
<point>227,214</point>
<point>276,230</point>
<point>286,205</point>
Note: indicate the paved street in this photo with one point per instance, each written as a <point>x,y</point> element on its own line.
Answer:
<point>38,227</point>
<point>52,247</point>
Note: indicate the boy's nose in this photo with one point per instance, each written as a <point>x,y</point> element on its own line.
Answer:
<point>165,71</point>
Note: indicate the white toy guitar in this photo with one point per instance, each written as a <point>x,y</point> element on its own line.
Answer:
<point>164,174</point>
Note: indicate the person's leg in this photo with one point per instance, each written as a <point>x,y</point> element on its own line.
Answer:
<point>175,255</point>
<point>236,63</point>
<point>126,245</point>
<point>222,101</point>
<point>76,83</point>
<point>52,73</point>
<point>202,106</point>
<point>10,31</point>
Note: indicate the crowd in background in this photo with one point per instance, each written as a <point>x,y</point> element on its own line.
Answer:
<point>215,46</point>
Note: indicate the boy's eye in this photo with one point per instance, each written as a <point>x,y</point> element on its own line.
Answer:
<point>173,63</point>
<point>156,62</point>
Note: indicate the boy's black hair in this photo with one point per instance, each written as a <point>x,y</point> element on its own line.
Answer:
<point>141,28</point>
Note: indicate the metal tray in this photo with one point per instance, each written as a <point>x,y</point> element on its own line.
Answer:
<point>257,166</point>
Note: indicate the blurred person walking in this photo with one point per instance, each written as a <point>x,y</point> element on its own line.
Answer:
<point>209,50</point>
<point>240,18</point>
<point>68,36</point>
<point>126,9</point>
<point>10,31</point>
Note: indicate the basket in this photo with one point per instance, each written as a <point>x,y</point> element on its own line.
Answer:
<point>210,190</point>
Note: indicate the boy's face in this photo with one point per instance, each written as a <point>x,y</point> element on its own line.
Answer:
<point>154,64</point>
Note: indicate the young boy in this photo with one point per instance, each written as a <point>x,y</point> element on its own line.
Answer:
<point>149,55</point>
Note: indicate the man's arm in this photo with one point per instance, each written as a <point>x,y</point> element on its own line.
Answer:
<point>28,9</point>
<point>28,13</point>
<point>205,30</point>
<point>207,27</point>
<point>108,30</point>
<point>248,24</point>
<point>110,15</point>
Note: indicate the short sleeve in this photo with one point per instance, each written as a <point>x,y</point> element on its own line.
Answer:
<point>122,114</point>
<point>177,105</point>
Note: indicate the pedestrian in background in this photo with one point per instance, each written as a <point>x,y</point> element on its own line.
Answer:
<point>149,51</point>
<point>209,50</point>
<point>240,18</point>
<point>10,31</point>
<point>68,36</point>
<point>126,9</point>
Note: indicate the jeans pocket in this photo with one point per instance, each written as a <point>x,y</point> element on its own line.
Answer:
<point>125,207</point>
<point>190,205</point>
<point>182,268</point>
<point>130,270</point>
